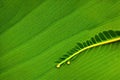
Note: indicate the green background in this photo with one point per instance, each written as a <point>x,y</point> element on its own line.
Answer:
<point>36,33</point>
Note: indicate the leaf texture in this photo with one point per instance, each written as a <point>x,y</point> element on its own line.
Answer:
<point>35,33</point>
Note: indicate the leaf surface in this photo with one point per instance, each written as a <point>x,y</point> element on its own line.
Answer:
<point>36,33</point>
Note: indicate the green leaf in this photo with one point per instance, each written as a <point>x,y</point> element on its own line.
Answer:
<point>103,38</point>
<point>36,33</point>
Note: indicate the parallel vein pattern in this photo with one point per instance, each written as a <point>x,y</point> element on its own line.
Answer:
<point>102,38</point>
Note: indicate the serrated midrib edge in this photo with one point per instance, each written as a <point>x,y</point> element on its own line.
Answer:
<point>88,47</point>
